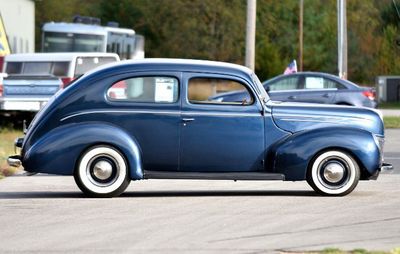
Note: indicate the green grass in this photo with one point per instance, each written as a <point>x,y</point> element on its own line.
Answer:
<point>391,122</point>
<point>389,105</point>
<point>7,137</point>
<point>339,251</point>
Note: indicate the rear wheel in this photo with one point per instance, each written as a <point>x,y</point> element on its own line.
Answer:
<point>334,173</point>
<point>102,171</point>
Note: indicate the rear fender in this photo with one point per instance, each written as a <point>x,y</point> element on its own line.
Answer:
<point>293,155</point>
<point>58,151</point>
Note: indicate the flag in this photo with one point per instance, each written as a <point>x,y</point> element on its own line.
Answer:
<point>291,68</point>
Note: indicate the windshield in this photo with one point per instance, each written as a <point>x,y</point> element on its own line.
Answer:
<point>71,42</point>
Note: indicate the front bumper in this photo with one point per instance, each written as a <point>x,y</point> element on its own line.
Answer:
<point>14,161</point>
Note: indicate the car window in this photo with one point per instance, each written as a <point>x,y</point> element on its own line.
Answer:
<point>14,67</point>
<point>85,64</point>
<point>145,89</point>
<point>287,83</point>
<point>38,68</point>
<point>320,83</point>
<point>208,90</point>
<point>332,84</point>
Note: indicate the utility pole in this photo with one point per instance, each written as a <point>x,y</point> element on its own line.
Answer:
<point>342,38</point>
<point>301,35</point>
<point>250,34</point>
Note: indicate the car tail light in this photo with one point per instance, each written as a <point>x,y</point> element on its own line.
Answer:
<point>66,81</point>
<point>1,90</point>
<point>369,94</point>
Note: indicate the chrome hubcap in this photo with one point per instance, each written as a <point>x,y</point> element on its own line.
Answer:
<point>102,170</point>
<point>334,172</point>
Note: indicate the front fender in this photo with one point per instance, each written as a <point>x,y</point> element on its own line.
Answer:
<point>58,151</point>
<point>292,155</point>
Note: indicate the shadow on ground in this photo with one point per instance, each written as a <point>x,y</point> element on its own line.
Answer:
<point>155,194</point>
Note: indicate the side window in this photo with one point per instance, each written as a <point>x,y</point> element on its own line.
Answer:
<point>314,83</point>
<point>218,91</point>
<point>14,67</point>
<point>321,83</point>
<point>330,84</point>
<point>283,84</point>
<point>145,89</point>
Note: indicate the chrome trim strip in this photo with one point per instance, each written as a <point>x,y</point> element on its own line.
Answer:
<point>315,121</point>
<point>121,111</point>
<point>320,117</point>
<point>198,113</point>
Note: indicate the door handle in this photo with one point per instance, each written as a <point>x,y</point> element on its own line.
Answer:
<point>327,95</point>
<point>292,97</point>
<point>185,120</point>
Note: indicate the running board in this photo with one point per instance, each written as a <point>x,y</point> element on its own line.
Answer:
<point>212,176</point>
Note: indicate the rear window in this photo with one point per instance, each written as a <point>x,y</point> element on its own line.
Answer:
<point>14,68</point>
<point>85,64</point>
<point>58,69</point>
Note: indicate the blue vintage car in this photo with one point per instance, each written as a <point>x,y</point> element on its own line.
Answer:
<point>153,119</point>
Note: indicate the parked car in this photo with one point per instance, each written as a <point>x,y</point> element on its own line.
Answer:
<point>167,128</point>
<point>34,78</point>
<point>314,87</point>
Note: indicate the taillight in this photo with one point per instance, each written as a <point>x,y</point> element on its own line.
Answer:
<point>1,90</point>
<point>369,94</point>
<point>66,81</point>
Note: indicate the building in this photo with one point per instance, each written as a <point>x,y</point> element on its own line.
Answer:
<point>19,21</point>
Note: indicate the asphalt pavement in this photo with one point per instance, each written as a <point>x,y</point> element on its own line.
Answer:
<point>49,214</point>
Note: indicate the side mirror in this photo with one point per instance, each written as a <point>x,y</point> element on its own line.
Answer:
<point>267,88</point>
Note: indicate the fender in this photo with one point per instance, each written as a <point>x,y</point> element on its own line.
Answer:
<point>57,151</point>
<point>291,156</point>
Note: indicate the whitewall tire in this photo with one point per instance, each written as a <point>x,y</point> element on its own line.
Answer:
<point>333,173</point>
<point>102,171</point>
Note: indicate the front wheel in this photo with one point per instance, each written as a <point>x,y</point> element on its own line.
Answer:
<point>334,173</point>
<point>102,172</point>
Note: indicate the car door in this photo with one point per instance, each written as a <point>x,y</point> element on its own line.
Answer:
<point>147,106</point>
<point>220,136</point>
<point>316,89</point>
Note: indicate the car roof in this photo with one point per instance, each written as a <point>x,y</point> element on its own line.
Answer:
<point>55,56</point>
<point>174,64</point>
<point>322,74</point>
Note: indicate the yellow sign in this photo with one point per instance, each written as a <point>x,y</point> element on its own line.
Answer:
<point>4,47</point>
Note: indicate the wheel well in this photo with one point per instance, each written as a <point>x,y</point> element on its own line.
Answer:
<point>363,171</point>
<point>344,104</point>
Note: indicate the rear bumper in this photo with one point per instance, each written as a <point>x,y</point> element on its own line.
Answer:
<point>22,104</point>
<point>387,166</point>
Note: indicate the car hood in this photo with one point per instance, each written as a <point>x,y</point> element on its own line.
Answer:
<point>296,117</point>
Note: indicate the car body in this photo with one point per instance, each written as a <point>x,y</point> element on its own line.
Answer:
<point>314,87</point>
<point>165,127</point>
<point>34,78</point>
